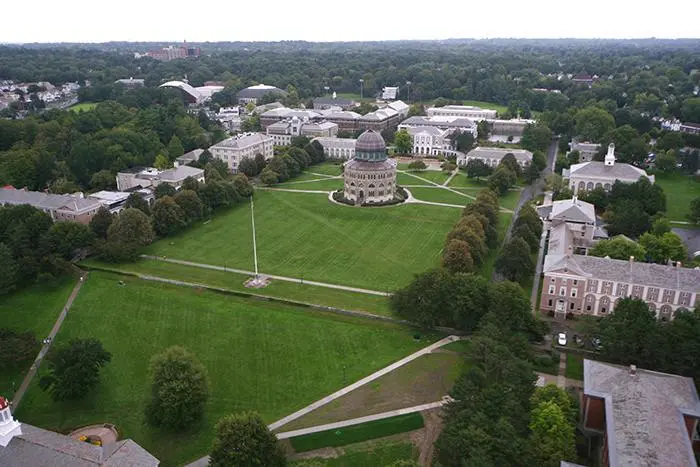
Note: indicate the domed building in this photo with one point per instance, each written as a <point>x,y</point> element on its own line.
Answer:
<point>370,177</point>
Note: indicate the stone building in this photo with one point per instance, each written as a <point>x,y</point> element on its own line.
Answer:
<point>467,111</point>
<point>73,207</point>
<point>283,131</point>
<point>590,175</point>
<point>461,124</point>
<point>492,156</point>
<point>232,150</point>
<point>338,148</point>
<point>370,177</point>
<point>430,141</point>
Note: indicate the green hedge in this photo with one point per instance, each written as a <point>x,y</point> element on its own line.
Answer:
<point>358,433</point>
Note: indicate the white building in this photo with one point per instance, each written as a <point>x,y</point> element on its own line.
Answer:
<point>115,200</point>
<point>467,111</point>
<point>152,177</point>
<point>283,131</point>
<point>400,107</point>
<point>338,148</point>
<point>492,156</point>
<point>429,140</point>
<point>461,124</point>
<point>590,175</point>
<point>234,149</point>
<point>390,93</point>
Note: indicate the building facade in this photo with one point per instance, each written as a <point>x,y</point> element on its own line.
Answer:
<point>460,124</point>
<point>430,141</point>
<point>492,156</point>
<point>151,177</point>
<point>74,208</point>
<point>466,111</point>
<point>283,131</point>
<point>235,148</point>
<point>279,114</point>
<point>370,177</point>
<point>338,148</point>
<point>590,175</point>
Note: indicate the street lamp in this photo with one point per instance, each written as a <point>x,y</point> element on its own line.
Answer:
<point>408,97</point>
<point>362,81</point>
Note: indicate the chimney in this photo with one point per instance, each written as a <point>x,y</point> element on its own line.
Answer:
<point>633,370</point>
<point>610,156</point>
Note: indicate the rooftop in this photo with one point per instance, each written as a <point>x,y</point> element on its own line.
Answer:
<point>618,270</point>
<point>618,171</point>
<point>573,210</point>
<point>185,87</point>
<point>41,200</point>
<point>243,140</point>
<point>259,91</point>
<point>643,414</point>
<point>180,173</point>
<point>440,121</point>
<point>486,152</point>
<point>191,156</point>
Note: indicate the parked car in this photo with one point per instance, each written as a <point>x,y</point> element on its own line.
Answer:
<point>596,343</point>
<point>561,338</point>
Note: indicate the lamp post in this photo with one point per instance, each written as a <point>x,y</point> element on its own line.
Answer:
<point>408,97</point>
<point>362,81</point>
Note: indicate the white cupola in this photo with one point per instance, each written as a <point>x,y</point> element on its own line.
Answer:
<point>610,156</point>
<point>9,427</point>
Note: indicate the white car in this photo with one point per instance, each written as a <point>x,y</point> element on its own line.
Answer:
<point>561,338</point>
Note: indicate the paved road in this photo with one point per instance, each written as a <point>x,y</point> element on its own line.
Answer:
<point>538,272</point>
<point>271,276</point>
<point>45,348</point>
<point>357,421</point>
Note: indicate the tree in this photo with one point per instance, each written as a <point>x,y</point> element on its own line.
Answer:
<point>190,183</point>
<point>476,168</point>
<point>630,334</point>
<point>694,215</point>
<point>101,221</point>
<point>164,189</point>
<point>162,162</point>
<point>17,349</point>
<point>660,226</point>
<point>248,167</point>
<point>129,231</point>
<point>137,202</point>
<point>448,166</point>
<point>565,401</point>
<point>514,262</point>
<point>74,369</point>
<point>260,161</point>
<point>103,180</point>
<point>65,239</point>
<point>269,177</point>
<point>627,217</point>
<point>403,142</point>
<point>510,308</point>
<point>502,179</point>
<point>463,140</point>
<point>457,257</point>
<point>592,123</point>
<point>423,301</point>
<point>242,185</point>
<point>524,232</point>
<point>175,148</point>
<point>483,129</point>
<point>598,197</point>
<point>661,249</point>
<point>168,217</point>
<point>417,164</point>
<point>509,161</point>
<point>192,207</point>
<point>552,437</point>
<point>536,137</point>
<point>179,389</point>
<point>244,439</point>
<point>529,217</point>
<point>9,268</point>
<point>618,248</point>
<point>666,160</point>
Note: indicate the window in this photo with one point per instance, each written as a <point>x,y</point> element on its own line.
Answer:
<point>551,290</point>
<point>575,282</point>
<point>637,291</point>
<point>653,294</point>
<point>607,287</point>
<point>622,290</point>
<point>562,291</point>
<point>592,286</point>
<point>571,306</point>
<point>684,299</point>
<point>549,303</point>
<point>573,293</point>
<point>551,280</point>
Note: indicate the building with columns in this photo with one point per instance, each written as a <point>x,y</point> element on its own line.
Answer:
<point>467,111</point>
<point>370,177</point>
<point>492,156</point>
<point>338,148</point>
<point>430,141</point>
<point>590,175</point>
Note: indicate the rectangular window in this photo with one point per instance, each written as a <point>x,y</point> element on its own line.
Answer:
<point>549,303</point>
<point>575,282</point>
<point>571,306</point>
<point>607,288</point>
<point>573,293</point>
<point>551,290</point>
<point>562,291</point>
<point>653,294</point>
<point>592,286</point>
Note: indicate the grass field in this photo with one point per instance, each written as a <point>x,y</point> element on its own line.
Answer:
<point>32,309</point>
<point>407,179</point>
<point>324,185</point>
<point>260,356</point>
<point>82,106</point>
<point>574,366</point>
<point>680,191</point>
<point>440,195</point>
<point>432,175</point>
<point>358,433</point>
<point>461,180</point>
<point>304,235</point>
<point>327,168</point>
<point>305,176</point>
<point>279,289</point>
<point>382,453</point>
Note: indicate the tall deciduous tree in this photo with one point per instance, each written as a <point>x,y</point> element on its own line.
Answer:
<point>457,256</point>
<point>592,123</point>
<point>552,437</point>
<point>502,179</point>
<point>8,266</point>
<point>65,239</point>
<point>101,221</point>
<point>244,439</point>
<point>192,207</point>
<point>168,217</point>
<point>403,143</point>
<point>164,189</point>
<point>515,262</point>
<point>137,202</point>
<point>17,348</point>
<point>630,334</point>
<point>74,369</point>
<point>618,248</point>
<point>476,168</point>
<point>175,148</point>
<point>179,389</point>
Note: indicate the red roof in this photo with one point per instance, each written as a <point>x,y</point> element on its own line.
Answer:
<point>8,187</point>
<point>4,403</point>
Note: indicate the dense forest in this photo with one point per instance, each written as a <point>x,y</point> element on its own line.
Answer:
<point>63,151</point>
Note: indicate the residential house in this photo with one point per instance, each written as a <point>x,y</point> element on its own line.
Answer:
<point>638,417</point>
<point>466,111</point>
<point>338,148</point>
<point>492,156</point>
<point>235,148</point>
<point>283,131</point>
<point>23,445</point>
<point>66,207</point>
<point>150,177</point>
<point>590,175</point>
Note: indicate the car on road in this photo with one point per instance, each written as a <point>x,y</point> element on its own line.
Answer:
<point>596,343</point>
<point>561,338</point>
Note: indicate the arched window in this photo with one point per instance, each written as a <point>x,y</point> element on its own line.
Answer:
<point>581,186</point>
<point>666,312</point>
<point>589,304</point>
<point>589,186</point>
<point>599,185</point>
<point>606,187</point>
<point>604,305</point>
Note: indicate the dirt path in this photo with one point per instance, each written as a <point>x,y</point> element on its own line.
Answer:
<point>428,436</point>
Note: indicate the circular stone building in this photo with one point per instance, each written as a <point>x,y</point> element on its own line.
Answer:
<point>370,177</point>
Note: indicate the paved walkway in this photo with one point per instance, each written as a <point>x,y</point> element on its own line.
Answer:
<point>271,276</point>
<point>449,179</point>
<point>561,378</point>
<point>538,273</point>
<point>324,175</point>
<point>357,421</point>
<point>45,348</point>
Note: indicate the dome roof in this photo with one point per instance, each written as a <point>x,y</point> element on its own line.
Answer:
<point>370,146</point>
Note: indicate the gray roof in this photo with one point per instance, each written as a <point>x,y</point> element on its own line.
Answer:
<point>497,153</point>
<point>284,112</point>
<point>38,447</point>
<point>243,140</point>
<point>180,173</point>
<point>644,414</point>
<point>439,122</point>
<point>47,200</point>
<point>356,164</point>
<point>259,91</point>
<point>191,156</point>
<point>617,171</point>
<point>380,115</point>
<point>431,130</point>
<point>340,102</point>
<point>617,270</point>
<point>332,114</point>
<point>573,210</point>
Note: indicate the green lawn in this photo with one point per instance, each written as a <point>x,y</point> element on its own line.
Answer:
<point>574,366</point>
<point>436,176</point>
<point>358,433</point>
<point>32,309</point>
<point>487,105</point>
<point>327,168</point>
<point>83,106</point>
<point>407,179</point>
<point>440,195</point>
<point>378,454</point>
<point>325,185</point>
<point>260,356</point>
<point>279,289</point>
<point>510,199</point>
<point>680,191</point>
<point>461,180</point>
<point>307,176</point>
<point>304,235</point>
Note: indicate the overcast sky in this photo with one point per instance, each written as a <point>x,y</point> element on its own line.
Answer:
<point>316,20</point>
